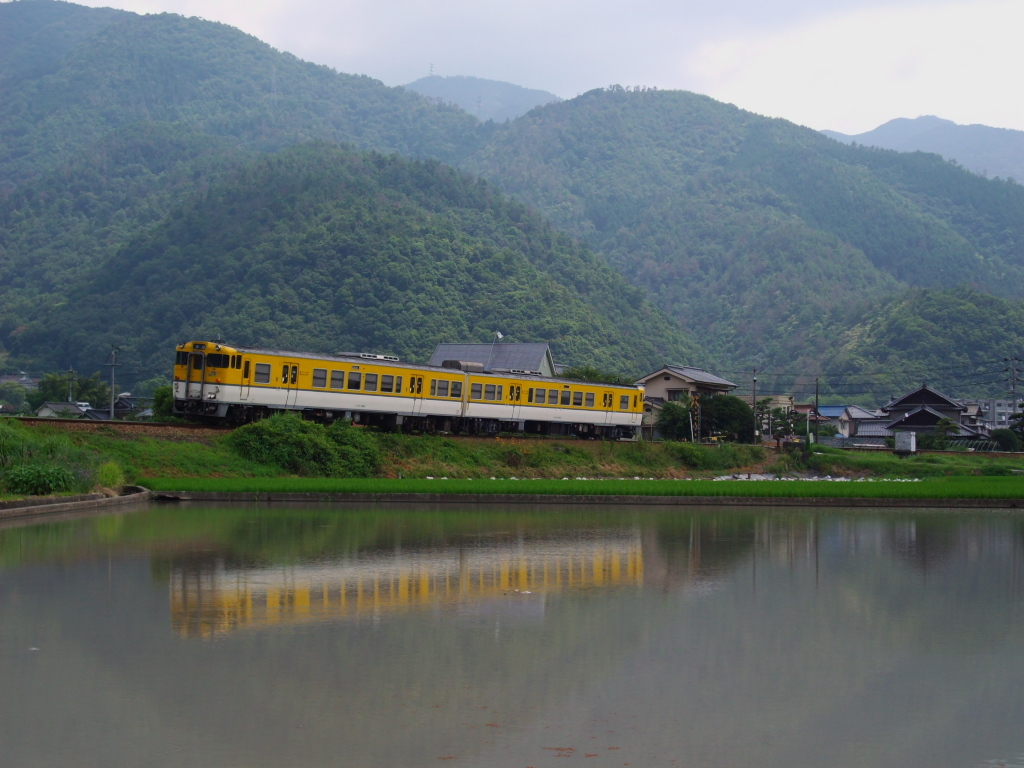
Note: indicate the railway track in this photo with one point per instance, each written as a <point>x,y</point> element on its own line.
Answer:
<point>127,427</point>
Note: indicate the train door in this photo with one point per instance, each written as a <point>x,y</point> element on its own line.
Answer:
<point>246,379</point>
<point>515,399</point>
<point>195,378</point>
<point>290,382</point>
<point>416,393</point>
<point>608,406</point>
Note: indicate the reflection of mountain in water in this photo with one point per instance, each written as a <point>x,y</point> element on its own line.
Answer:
<point>208,597</point>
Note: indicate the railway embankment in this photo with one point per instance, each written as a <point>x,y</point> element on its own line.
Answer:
<point>285,455</point>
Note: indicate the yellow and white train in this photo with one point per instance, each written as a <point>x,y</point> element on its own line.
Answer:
<point>217,383</point>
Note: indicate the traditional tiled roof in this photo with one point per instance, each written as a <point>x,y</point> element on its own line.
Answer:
<point>698,375</point>
<point>923,395</point>
<point>924,416</point>
<point>876,428</point>
<point>61,407</point>
<point>498,357</point>
<point>858,413</point>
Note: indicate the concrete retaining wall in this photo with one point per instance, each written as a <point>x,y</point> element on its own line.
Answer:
<point>55,505</point>
<point>539,498</point>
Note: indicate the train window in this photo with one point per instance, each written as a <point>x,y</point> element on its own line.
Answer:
<point>398,384</point>
<point>577,399</point>
<point>634,401</point>
<point>181,358</point>
<point>541,395</point>
<point>284,374</point>
<point>355,380</point>
<point>499,392</point>
<point>529,395</point>
<point>606,400</point>
<point>238,362</point>
<point>489,391</point>
<point>565,396</point>
<point>590,399</point>
<point>245,373</point>
<point>320,378</point>
<point>419,385</point>
<point>197,362</point>
<point>370,382</point>
<point>387,383</point>
<point>337,379</point>
<point>476,391</point>
<point>456,389</point>
<point>262,373</point>
<point>295,373</point>
<point>624,403</point>
<point>442,388</point>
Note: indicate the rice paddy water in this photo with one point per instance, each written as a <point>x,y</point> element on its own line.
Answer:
<point>528,635</point>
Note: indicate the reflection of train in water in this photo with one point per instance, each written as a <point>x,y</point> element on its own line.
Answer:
<point>217,383</point>
<point>217,599</point>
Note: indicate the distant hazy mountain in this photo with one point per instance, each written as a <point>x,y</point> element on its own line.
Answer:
<point>980,148</point>
<point>487,99</point>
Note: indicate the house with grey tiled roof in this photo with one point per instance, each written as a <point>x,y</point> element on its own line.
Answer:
<point>678,382</point>
<point>61,410</point>
<point>921,410</point>
<point>500,356</point>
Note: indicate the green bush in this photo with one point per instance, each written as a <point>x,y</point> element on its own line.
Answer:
<point>358,452</point>
<point>110,475</point>
<point>39,479</point>
<point>163,403</point>
<point>1007,439</point>
<point>298,446</point>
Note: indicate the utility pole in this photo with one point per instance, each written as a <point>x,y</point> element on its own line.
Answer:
<point>71,384</point>
<point>114,351</point>
<point>816,435</point>
<point>1012,360</point>
<point>757,424</point>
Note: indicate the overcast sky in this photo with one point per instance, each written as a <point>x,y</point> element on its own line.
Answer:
<point>849,65</point>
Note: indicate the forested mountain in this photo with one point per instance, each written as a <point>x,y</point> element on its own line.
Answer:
<point>323,249</point>
<point>763,238</point>
<point>979,148</point>
<point>955,340</point>
<point>60,91</point>
<point>146,159</point>
<point>486,99</point>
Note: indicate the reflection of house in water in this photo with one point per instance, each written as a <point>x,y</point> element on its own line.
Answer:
<point>705,549</point>
<point>211,598</point>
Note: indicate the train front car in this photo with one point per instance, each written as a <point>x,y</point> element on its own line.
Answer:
<point>207,380</point>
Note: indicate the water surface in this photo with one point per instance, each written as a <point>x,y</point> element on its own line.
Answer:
<point>353,636</point>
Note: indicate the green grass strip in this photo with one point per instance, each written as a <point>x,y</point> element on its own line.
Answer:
<point>931,488</point>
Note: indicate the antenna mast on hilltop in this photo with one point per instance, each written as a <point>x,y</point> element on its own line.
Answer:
<point>431,69</point>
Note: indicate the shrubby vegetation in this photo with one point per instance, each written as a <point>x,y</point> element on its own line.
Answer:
<point>42,463</point>
<point>307,448</point>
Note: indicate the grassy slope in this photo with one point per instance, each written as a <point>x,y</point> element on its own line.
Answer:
<point>203,460</point>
